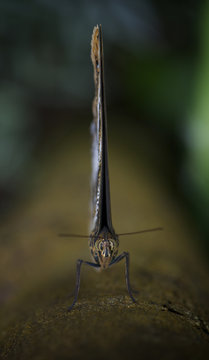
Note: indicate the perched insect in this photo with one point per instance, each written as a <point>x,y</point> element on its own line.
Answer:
<point>103,242</point>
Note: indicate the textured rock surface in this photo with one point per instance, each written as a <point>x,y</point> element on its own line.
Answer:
<point>170,319</point>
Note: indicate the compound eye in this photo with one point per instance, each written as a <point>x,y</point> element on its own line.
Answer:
<point>111,245</point>
<point>101,246</point>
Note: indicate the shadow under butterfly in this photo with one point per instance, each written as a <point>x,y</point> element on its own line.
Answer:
<point>104,242</point>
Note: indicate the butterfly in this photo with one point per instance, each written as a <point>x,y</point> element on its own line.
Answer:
<point>103,240</point>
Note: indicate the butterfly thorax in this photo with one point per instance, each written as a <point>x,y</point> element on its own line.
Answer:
<point>104,247</point>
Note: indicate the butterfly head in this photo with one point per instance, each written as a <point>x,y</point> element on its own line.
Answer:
<point>104,248</point>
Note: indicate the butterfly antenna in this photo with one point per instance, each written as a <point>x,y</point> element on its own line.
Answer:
<point>74,235</point>
<point>142,231</point>
<point>123,234</point>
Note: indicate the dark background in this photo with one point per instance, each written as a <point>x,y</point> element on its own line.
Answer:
<point>157,84</point>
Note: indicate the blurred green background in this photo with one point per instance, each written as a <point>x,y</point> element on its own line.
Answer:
<point>157,84</point>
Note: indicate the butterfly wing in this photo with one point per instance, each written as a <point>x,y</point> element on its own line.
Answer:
<point>101,209</point>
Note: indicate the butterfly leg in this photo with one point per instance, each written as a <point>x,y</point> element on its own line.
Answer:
<point>78,278</point>
<point>119,258</point>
